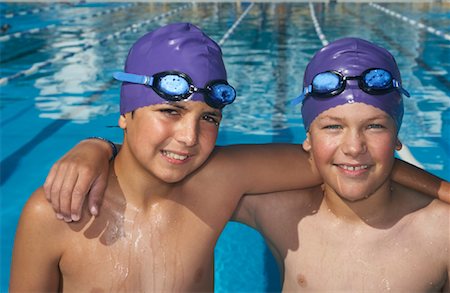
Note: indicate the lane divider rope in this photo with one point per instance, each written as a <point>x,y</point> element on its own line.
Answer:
<point>236,23</point>
<point>30,12</point>
<point>317,25</point>
<point>412,21</point>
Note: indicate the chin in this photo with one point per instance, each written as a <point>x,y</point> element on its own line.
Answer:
<point>173,179</point>
<point>354,194</point>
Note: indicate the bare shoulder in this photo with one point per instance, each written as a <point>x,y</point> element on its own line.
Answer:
<point>425,205</point>
<point>438,212</point>
<point>427,216</point>
<point>38,212</point>
<point>37,204</point>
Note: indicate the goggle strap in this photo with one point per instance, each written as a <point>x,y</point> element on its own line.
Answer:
<point>133,78</point>
<point>300,98</point>
<point>398,86</point>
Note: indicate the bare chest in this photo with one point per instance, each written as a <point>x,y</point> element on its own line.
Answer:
<point>361,260</point>
<point>141,254</point>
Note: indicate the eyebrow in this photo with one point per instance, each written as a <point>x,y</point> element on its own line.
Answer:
<point>330,118</point>
<point>177,105</point>
<point>381,116</point>
<point>182,107</point>
<point>213,113</point>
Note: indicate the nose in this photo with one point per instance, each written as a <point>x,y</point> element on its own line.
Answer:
<point>187,131</point>
<point>354,143</point>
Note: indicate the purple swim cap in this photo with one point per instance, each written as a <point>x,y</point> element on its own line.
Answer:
<point>180,46</point>
<point>351,57</point>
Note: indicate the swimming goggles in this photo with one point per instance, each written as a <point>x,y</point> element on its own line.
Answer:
<point>374,81</point>
<point>177,86</point>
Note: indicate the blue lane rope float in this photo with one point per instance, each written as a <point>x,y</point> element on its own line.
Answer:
<point>405,153</point>
<point>52,26</point>
<point>37,66</point>
<point>412,21</point>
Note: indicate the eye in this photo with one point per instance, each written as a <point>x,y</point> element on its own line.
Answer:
<point>332,126</point>
<point>211,119</point>
<point>375,126</point>
<point>169,111</point>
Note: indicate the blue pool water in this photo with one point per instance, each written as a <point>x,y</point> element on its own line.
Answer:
<point>56,89</point>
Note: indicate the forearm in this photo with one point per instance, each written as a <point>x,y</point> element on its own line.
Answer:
<point>420,180</point>
<point>268,167</point>
<point>82,171</point>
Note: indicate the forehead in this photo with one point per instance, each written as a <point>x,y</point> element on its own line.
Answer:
<point>353,112</point>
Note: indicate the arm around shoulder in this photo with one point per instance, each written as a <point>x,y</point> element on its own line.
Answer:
<point>37,250</point>
<point>269,167</point>
<point>420,180</point>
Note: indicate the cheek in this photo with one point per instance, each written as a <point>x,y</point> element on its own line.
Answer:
<point>147,131</point>
<point>383,148</point>
<point>323,148</point>
<point>208,138</point>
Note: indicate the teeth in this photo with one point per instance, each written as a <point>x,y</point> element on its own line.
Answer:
<point>174,156</point>
<point>354,168</point>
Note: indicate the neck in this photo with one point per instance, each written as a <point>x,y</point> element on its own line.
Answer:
<point>139,186</point>
<point>371,210</point>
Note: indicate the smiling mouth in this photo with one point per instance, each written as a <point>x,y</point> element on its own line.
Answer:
<point>174,156</point>
<point>353,168</point>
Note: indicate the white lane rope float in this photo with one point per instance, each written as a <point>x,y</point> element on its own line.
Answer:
<point>236,23</point>
<point>52,26</point>
<point>30,12</point>
<point>37,66</point>
<point>405,153</point>
<point>317,25</point>
<point>413,22</point>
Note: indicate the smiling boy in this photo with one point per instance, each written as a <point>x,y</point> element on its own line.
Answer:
<point>359,231</point>
<point>164,207</point>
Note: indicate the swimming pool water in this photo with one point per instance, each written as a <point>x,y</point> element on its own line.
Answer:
<point>56,89</point>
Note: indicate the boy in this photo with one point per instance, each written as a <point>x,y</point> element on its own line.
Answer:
<point>359,231</point>
<point>163,208</point>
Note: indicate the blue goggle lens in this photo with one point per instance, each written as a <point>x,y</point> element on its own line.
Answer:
<point>222,93</point>
<point>377,79</point>
<point>173,85</point>
<point>326,82</point>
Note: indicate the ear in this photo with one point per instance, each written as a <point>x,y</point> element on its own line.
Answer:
<point>307,142</point>
<point>398,145</point>
<point>123,121</point>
